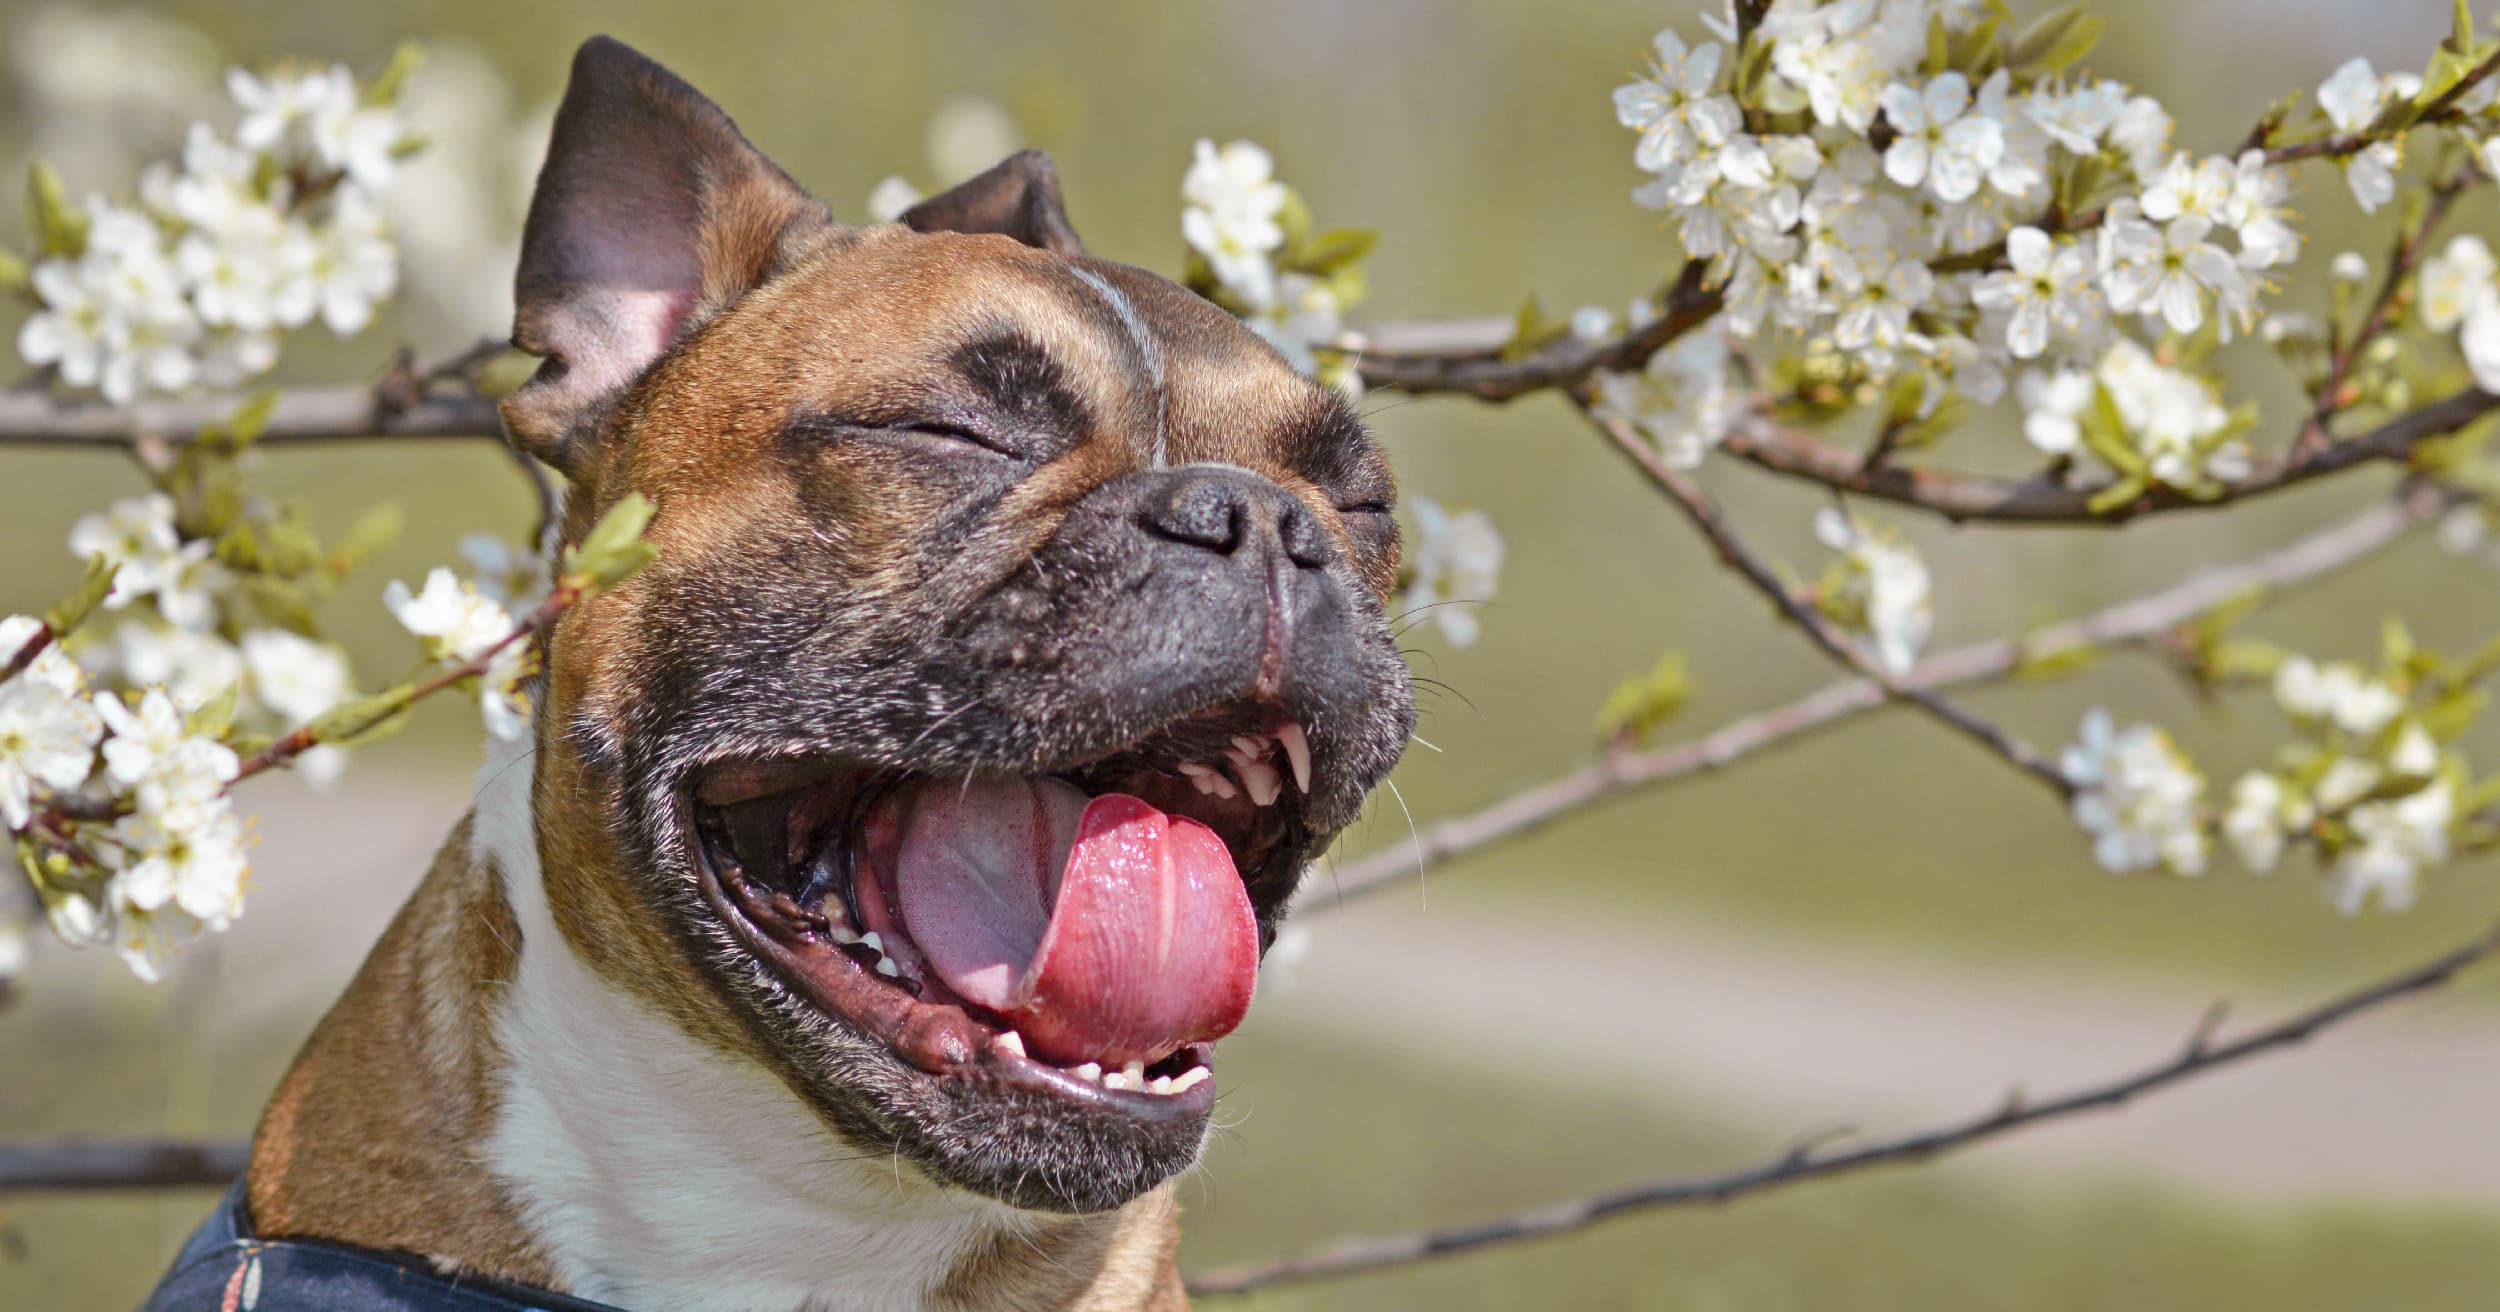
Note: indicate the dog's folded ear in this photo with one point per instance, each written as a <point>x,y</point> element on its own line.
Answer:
<point>1017,197</point>
<point>652,214</point>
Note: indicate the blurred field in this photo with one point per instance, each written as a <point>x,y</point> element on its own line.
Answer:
<point>1478,136</point>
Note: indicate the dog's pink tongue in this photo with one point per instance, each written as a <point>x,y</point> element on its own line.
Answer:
<point>1106,931</point>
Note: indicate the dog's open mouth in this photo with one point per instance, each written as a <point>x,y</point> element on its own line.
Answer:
<point>1088,932</point>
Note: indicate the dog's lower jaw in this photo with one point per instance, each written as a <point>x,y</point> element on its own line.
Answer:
<point>654,1170</point>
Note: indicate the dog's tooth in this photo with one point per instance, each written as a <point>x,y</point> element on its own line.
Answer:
<point>840,933</point>
<point>1161,1084</point>
<point>1251,745</point>
<point>1136,1072</point>
<point>887,968</point>
<point>1124,1081</point>
<point>1221,785</point>
<point>1090,1072</point>
<point>1010,1043</point>
<point>1190,1079</point>
<point>873,943</point>
<point>1297,753</point>
<point>1260,780</point>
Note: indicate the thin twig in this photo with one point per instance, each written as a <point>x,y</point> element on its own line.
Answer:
<point>1818,628</point>
<point>1624,770</point>
<point>2401,263</point>
<point>1809,1161</point>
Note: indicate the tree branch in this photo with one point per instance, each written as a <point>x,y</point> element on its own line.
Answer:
<point>1825,635</point>
<point>1626,770</point>
<point>1810,1160</point>
<point>2044,499</point>
<point>121,1163</point>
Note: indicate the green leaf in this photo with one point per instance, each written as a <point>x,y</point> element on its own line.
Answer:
<point>2118,494</point>
<point>1939,45</point>
<point>57,225</point>
<point>2395,644</point>
<point>2038,666</point>
<point>373,530</point>
<point>2042,34</point>
<point>1335,249</point>
<point>386,85</point>
<point>17,277</point>
<point>2461,28</point>
<point>2077,42</point>
<point>281,602</point>
<point>2105,435</point>
<point>2452,716</point>
<point>365,719</point>
<point>251,419</point>
<point>1295,219</point>
<point>216,716</point>
<point>1531,328</point>
<point>1643,704</point>
<point>93,587</point>
<point>613,550</point>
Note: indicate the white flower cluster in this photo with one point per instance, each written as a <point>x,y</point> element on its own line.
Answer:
<point>1453,564</point>
<point>1880,589</point>
<point>2172,420</point>
<point>2137,795</point>
<point>1232,214</point>
<point>251,236</point>
<point>2459,292</point>
<point>1892,218</point>
<point>461,619</point>
<point>175,863</point>
<point>281,679</point>
<point>2366,758</point>
<point>1685,399</point>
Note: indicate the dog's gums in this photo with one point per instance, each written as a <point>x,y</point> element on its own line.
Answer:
<point>1086,933</point>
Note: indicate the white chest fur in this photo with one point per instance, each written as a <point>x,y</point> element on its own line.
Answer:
<point>658,1174</point>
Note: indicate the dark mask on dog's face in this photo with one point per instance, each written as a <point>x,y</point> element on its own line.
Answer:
<point>1015,641</point>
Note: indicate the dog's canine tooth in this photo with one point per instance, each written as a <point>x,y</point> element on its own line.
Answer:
<point>887,968</point>
<point>1010,1042</point>
<point>873,943</point>
<point>1190,1079</point>
<point>1090,1072</point>
<point>1297,753</point>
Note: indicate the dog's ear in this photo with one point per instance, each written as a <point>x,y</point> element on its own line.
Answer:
<point>652,214</point>
<point>1017,197</point>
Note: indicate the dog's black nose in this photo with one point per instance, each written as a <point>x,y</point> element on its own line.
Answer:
<point>1222,509</point>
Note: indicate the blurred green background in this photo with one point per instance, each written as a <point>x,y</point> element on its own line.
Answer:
<point>1888,861</point>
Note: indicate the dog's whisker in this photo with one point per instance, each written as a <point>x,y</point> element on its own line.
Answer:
<point>1422,888</point>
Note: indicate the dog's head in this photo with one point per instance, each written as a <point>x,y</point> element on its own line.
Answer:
<point>1015,640</point>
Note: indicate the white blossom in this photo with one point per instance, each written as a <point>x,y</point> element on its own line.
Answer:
<point>2454,280</point>
<point>1939,142</point>
<point>1455,564</point>
<point>2175,419</point>
<point>194,861</point>
<point>2261,811</point>
<point>193,667</point>
<point>2164,271</point>
<point>1232,201</point>
<point>2047,289</point>
<point>1886,583</point>
<point>2337,692</point>
<point>2352,98</point>
<point>2481,342</point>
<point>2393,842</point>
<point>1682,399</point>
<point>889,198</point>
<point>316,117</point>
<point>457,621</point>
<point>2053,404</point>
<point>51,667</point>
<point>294,676</point>
<point>2257,209</point>
<point>2077,119</point>
<point>2137,796</point>
<point>47,740</point>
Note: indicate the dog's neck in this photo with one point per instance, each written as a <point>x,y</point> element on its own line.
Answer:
<point>656,1173</point>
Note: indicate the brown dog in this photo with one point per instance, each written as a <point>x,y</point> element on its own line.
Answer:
<point>892,849</point>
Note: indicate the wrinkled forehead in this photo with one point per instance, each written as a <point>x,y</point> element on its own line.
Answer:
<point>887,325</point>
